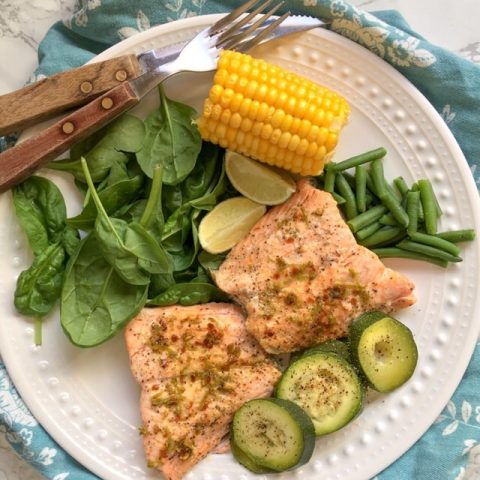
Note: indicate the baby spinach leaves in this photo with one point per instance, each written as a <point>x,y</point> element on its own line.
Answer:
<point>96,301</point>
<point>171,141</point>
<point>146,186</point>
<point>41,211</point>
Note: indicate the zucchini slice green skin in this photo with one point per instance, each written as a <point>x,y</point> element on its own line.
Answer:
<point>326,386</point>
<point>245,460</point>
<point>334,346</point>
<point>274,434</point>
<point>383,349</point>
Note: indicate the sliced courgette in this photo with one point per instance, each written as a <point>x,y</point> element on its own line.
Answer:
<point>326,386</point>
<point>383,349</point>
<point>245,460</point>
<point>335,346</point>
<point>274,434</point>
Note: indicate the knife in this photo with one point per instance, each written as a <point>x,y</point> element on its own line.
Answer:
<point>66,90</point>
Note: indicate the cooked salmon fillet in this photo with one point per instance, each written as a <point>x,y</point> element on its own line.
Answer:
<point>302,278</point>
<point>196,366</point>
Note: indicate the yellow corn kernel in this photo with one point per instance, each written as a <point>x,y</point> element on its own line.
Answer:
<point>232,80</point>
<point>272,115</point>
<point>257,128</point>
<point>216,112</point>
<point>284,139</point>
<point>236,120</point>
<point>236,102</point>
<point>225,116</point>
<point>215,93</point>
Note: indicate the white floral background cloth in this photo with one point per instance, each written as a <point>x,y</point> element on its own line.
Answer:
<point>450,449</point>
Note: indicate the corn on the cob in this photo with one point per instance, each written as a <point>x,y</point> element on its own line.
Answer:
<point>271,115</point>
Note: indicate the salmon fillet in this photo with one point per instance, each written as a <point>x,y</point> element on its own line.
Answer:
<point>196,366</point>
<point>302,278</point>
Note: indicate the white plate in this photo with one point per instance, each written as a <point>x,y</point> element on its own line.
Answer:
<point>88,400</point>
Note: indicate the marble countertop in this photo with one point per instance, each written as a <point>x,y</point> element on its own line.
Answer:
<point>23,24</point>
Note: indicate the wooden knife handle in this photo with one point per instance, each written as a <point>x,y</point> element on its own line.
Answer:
<point>56,94</point>
<point>19,162</point>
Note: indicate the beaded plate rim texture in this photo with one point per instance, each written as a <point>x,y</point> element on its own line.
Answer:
<point>87,399</point>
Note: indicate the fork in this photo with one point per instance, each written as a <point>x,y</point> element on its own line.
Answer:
<point>234,31</point>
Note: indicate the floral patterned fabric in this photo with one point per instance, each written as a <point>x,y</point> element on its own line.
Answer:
<point>450,449</point>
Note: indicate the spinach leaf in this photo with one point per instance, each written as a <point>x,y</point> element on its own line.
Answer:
<point>96,302</point>
<point>189,294</point>
<point>129,248</point>
<point>172,198</point>
<point>200,179</point>
<point>152,217</point>
<point>38,287</point>
<point>70,240</point>
<point>159,283</point>
<point>171,141</point>
<point>151,256</point>
<point>100,160</point>
<point>210,198</point>
<point>112,197</point>
<point>126,134</point>
<point>211,261</point>
<point>41,212</point>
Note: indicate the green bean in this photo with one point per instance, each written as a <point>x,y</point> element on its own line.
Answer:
<point>346,192</point>
<point>436,242</point>
<point>428,250</point>
<point>361,187</point>
<point>388,219</point>
<point>329,183</point>
<point>360,159</point>
<point>401,185</point>
<point>421,216</point>
<point>392,191</point>
<point>370,185</point>
<point>368,230</point>
<point>366,218</point>
<point>395,208</point>
<point>457,236</point>
<point>413,200</point>
<point>338,198</point>
<point>394,252</point>
<point>427,198</point>
<point>384,237</point>
<point>378,179</point>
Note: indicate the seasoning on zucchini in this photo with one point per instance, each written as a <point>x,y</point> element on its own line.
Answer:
<point>383,349</point>
<point>326,386</point>
<point>272,433</point>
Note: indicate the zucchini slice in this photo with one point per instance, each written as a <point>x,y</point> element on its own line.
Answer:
<point>326,386</point>
<point>335,346</point>
<point>274,434</point>
<point>383,349</point>
<point>246,461</point>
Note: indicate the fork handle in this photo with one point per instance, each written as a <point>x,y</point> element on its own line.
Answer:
<point>53,95</point>
<point>19,162</point>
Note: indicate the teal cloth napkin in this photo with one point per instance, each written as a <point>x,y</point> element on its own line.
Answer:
<point>450,449</point>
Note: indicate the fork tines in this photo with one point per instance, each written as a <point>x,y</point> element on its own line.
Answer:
<point>234,27</point>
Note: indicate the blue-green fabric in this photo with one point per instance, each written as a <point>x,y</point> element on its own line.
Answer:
<point>450,449</point>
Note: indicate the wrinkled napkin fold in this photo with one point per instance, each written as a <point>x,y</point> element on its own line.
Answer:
<point>450,449</point>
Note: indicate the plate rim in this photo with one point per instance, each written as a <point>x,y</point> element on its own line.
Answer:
<point>441,128</point>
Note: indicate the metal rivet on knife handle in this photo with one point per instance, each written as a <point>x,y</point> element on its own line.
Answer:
<point>121,75</point>
<point>107,103</point>
<point>68,127</point>
<point>86,87</point>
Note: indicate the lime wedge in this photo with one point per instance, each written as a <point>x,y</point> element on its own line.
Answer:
<point>258,182</point>
<point>228,223</point>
